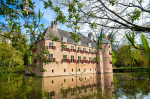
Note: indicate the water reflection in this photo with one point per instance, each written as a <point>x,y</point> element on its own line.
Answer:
<point>80,86</point>
<point>92,86</point>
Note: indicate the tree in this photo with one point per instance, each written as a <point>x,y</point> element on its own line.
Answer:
<point>115,14</point>
<point>128,56</point>
<point>10,59</point>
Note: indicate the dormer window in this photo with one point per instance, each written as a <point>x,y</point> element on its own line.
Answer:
<point>89,44</point>
<point>64,39</point>
<point>79,43</point>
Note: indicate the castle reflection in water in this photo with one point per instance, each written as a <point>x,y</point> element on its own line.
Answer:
<point>95,86</point>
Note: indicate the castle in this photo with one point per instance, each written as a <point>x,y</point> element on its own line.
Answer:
<point>75,58</point>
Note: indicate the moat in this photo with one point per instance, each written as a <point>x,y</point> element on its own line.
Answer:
<point>91,86</point>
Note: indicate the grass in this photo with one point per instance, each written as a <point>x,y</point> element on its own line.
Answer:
<point>128,69</point>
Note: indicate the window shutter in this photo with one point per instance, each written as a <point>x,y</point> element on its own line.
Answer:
<point>54,47</point>
<point>53,59</point>
<point>47,47</point>
<point>74,60</point>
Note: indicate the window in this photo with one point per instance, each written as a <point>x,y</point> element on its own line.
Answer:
<point>64,80</point>
<point>72,48</point>
<point>84,69</point>
<point>90,69</point>
<point>64,70</point>
<point>52,70</point>
<point>89,44</point>
<point>72,79</point>
<point>109,60</point>
<point>51,57</point>
<point>52,81</point>
<point>79,59</point>
<point>84,50</point>
<point>94,51</point>
<point>84,59</point>
<point>89,50</point>
<point>79,49</point>
<point>50,45</point>
<point>79,43</point>
<point>72,58</point>
<point>55,22</point>
<point>72,70</point>
<point>90,59</point>
<point>64,39</point>
<point>64,58</point>
<point>65,48</point>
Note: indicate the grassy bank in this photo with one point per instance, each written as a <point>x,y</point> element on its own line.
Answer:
<point>128,69</point>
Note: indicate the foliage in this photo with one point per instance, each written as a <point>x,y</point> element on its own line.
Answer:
<point>10,58</point>
<point>127,56</point>
<point>42,70</point>
<point>135,15</point>
<point>145,46</point>
<point>114,59</point>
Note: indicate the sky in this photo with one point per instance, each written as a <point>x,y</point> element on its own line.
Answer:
<point>48,16</point>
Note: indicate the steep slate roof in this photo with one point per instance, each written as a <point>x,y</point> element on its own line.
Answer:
<point>62,33</point>
<point>105,41</point>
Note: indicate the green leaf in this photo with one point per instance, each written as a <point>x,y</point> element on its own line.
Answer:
<point>146,46</point>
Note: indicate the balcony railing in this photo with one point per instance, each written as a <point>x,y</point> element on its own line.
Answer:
<point>95,52</point>
<point>73,60</point>
<point>51,47</point>
<point>90,61</point>
<point>51,59</point>
<point>80,51</point>
<point>73,50</point>
<point>80,61</point>
<point>65,60</point>
<point>87,52</point>
<point>65,49</point>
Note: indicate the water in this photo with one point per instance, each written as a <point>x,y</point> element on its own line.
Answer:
<point>91,86</point>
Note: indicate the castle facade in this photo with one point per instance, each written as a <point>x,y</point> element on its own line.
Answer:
<point>74,58</point>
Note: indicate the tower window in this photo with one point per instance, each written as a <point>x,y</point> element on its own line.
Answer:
<point>50,45</point>
<point>52,81</point>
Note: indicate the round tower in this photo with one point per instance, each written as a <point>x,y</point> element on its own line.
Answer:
<point>107,56</point>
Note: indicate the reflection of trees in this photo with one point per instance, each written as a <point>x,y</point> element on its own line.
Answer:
<point>129,85</point>
<point>14,86</point>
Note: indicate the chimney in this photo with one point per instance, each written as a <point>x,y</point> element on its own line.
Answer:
<point>108,37</point>
<point>54,25</point>
<point>90,35</point>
